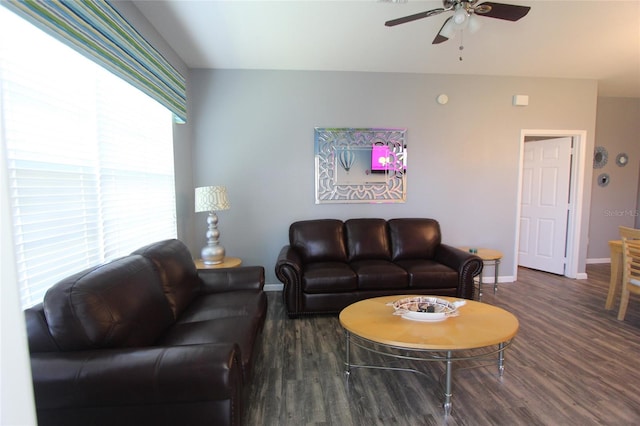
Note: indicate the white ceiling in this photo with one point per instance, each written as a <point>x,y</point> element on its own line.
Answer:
<point>589,39</point>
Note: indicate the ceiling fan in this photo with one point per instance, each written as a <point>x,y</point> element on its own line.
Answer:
<point>464,14</point>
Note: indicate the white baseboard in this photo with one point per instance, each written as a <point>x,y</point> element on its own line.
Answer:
<point>600,260</point>
<point>501,279</point>
<point>273,287</point>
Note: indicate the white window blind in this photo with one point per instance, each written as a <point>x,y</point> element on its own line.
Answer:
<point>89,159</point>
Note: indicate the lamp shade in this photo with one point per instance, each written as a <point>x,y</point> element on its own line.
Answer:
<point>211,198</point>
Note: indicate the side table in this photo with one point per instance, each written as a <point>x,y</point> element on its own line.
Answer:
<point>228,262</point>
<point>490,257</point>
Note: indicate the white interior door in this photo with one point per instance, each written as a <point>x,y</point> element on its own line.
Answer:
<point>545,204</point>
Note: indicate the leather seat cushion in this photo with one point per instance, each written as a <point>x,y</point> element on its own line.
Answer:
<point>328,277</point>
<point>379,274</point>
<point>319,240</point>
<point>240,329</point>
<point>367,239</point>
<point>424,273</point>
<point>225,305</point>
<point>414,238</point>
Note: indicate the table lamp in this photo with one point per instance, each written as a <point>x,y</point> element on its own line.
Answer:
<point>211,199</point>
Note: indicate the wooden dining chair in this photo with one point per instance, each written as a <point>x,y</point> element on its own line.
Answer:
<point>631,266</point>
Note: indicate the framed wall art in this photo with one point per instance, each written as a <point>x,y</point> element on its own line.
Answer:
<point>367,165</point>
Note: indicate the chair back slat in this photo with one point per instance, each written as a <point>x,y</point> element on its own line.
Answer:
<point>632,252</point>
<point>631,266</point>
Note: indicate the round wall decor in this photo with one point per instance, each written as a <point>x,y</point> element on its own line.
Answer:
<point>600,157</point>
<point>622,159</point>
<point>603,179</point>
<point>442,99</point>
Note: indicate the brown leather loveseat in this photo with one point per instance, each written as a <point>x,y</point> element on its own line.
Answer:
<point>146,340</point>
<point>330,264</point>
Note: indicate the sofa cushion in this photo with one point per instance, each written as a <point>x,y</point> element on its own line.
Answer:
<point>242,330</point>
<point>319,240</point>
<point>414,238</point>
<point>118,304</point>
<point>367,239</point>
<point>180,281</point>
<point>234,316</point>
<point>328,277</point>
<point>379,274</point>
<point>226,304</point>
<point>429,274</point>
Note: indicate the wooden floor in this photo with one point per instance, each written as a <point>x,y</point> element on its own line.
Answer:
<point>572,363</point>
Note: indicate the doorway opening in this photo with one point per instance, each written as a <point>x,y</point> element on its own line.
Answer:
<point>576,195</point>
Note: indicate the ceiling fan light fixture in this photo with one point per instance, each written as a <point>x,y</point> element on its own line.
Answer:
<point>464,16</point>
<point>474,24</point>
<point>460,17</point>
<point>448,29</point>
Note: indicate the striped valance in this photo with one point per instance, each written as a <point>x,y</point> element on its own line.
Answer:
<point>95,28</point>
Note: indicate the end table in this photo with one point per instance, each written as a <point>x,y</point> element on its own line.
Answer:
<point>489,257</point>
<point>228,262</point>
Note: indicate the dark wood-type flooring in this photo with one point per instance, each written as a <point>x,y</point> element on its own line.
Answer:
<point>572,363</point>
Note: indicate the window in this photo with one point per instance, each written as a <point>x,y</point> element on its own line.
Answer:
<point>89,160</point>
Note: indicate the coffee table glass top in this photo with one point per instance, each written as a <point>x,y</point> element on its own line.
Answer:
<point>478,325</point>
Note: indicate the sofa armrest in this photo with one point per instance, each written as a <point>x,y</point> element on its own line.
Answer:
<point>137,376</point>
<point>466,264</point>
<point>232,279</point>
<point>288,259</point>
<point>289,271</point>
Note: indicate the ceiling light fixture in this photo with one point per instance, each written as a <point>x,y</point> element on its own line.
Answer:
<point>460,17</point>
<point>465,12</point>
<point>474,24</point>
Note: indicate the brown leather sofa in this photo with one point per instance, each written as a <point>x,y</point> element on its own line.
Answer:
<point>146,340</point>
<point>330,264</point>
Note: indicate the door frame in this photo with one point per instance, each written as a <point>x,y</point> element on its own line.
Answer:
<point>576,198</point>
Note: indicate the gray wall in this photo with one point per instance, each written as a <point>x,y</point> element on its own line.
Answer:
<point>617,130</point>
<point>253,132</point>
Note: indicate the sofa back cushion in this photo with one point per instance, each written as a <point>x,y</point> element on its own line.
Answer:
<point>367,239</point>
<point>118,304</point>
<point>414,238</point>
<point>180,281</point>
<point>319,240</point>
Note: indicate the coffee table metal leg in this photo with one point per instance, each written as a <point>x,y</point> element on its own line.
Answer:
<point>348,351</point>
<point>447,390</point>
<point>501,359</point>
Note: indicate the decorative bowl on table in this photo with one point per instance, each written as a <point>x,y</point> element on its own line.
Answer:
<point>426,308</point>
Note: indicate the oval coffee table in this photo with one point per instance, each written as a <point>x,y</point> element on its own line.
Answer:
<point>371,325</point>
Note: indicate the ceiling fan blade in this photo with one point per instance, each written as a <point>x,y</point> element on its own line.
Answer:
<point>508,12</point>
<point>440,38</point>
<point>414,17</point>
